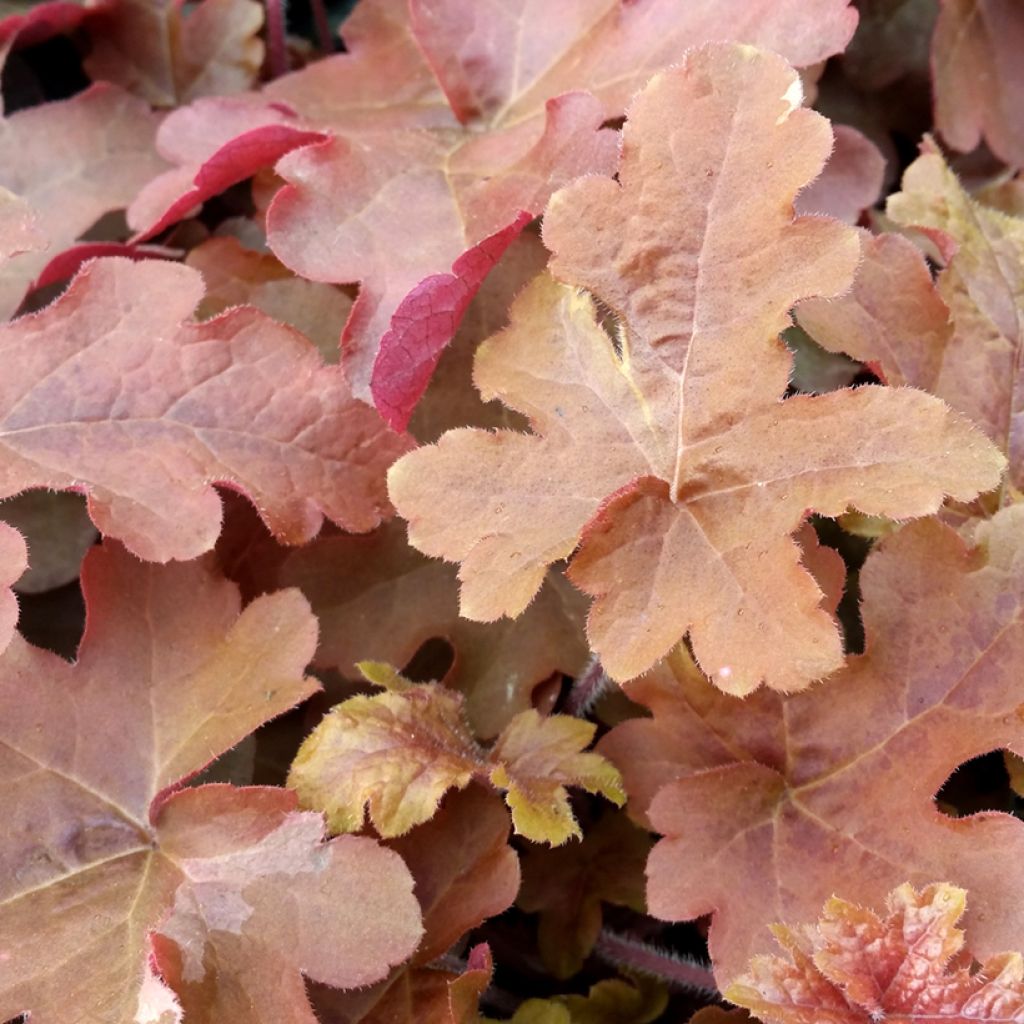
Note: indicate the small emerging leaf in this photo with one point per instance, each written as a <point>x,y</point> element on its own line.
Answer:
<point>399,752</point>
<point>855,967</point>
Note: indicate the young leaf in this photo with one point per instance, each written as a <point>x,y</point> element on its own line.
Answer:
<point>765,803</point>
<point>612,1001</point>
<point>107,150</point>
<point>855,967</point>
<point>976,75</point>
<point>673,466</point>
<point>524,118</point>
<point>101,847</point>
<point>127,399</point>
<point>398,752</point>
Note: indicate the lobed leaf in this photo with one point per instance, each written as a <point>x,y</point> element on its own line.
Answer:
<point>397,753</point>
<point>855,966</point>
<point>141,408</point>
<point>106,149</point>
<point>103,848</point>
<point>765,803</point>
<point>533,113</point>
<point>654,458</point>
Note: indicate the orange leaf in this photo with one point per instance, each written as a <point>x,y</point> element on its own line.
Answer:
<point>765,802</point>
<point>669,460</point>
<point>101,846</point>
<point>855,967</point>
<point>130,401</point>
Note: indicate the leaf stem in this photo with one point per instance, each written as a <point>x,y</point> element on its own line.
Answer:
<point>277,46</point>
<point>671,968</point>
<point>591,683</point>
<point>325,38</point>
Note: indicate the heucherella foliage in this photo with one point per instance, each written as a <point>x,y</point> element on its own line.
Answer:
<point>503,503</point>
<point>856,966</point>
<point>400,751</point>
<point>664,458</point>
<point>111,869</point>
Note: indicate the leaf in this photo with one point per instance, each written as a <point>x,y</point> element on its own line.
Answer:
<point>378,598</point>
<point>535,758</point>
<point>975,74</point>
<point>464,869</point>
<point>851,181</point>
<point>567,886</point>
<point>13,563</point>
<point>615,1001</point>
<point>612,1001</point>
<point>163,406</point>
<point>212,144</point>
<point>58,532</point>
<point>425,321</point>
<point>106,149</point>
<point>102,847</point>
<point>855,966</point>
<point>169,55</point>
<point>451,400</point>
<point>765,803</point>
<point>465,872</point>
<point>236,276</point>
<point>960,338</point>
<point>523,119</point>
<point>656,464</point>
<point>398,752</point>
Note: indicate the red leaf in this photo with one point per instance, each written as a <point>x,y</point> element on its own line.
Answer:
<point>213,144</point>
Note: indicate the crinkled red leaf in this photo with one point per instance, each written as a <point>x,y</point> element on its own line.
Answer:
<point>213,144</point>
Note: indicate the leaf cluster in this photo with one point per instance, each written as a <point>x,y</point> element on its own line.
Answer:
<point>512,512</point>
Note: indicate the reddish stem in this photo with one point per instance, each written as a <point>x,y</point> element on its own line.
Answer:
<point>277,43</point>
<point>323,26</point>
<point>678,971</point>
<point>591,683</point>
